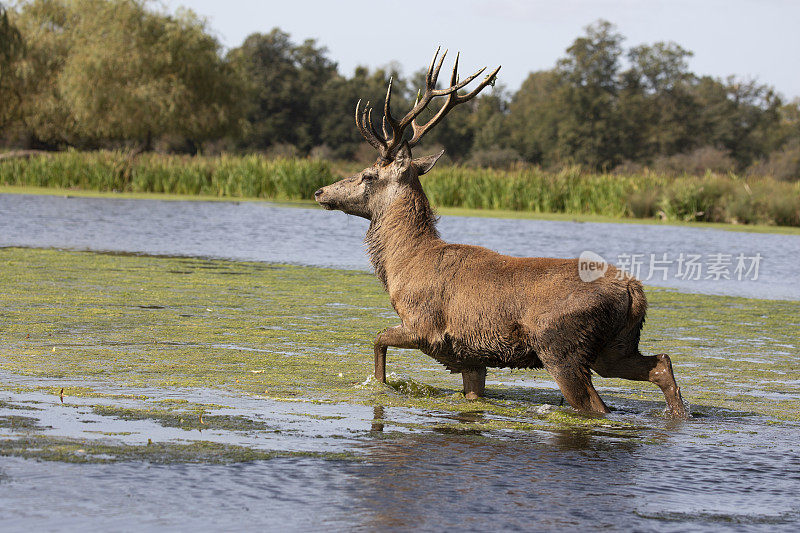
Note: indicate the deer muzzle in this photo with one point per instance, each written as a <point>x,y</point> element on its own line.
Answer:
<point>321,199</point>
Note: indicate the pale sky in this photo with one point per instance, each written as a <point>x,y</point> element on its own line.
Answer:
<point>749,38</point>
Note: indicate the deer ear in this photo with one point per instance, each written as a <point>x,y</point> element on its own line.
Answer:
<point>403,158</point>
<point>424,164</point>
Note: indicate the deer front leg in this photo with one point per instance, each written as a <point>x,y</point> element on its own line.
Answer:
<point>397,336</point>
<point>474,382</point>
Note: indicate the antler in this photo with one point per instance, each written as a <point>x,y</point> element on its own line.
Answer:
<point>388,144</point>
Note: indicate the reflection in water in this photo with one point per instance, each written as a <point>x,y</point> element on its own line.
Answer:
<point>574,479</point>
<point>468,416</point>
<point>431,481</point>
<point>649,479</point>
<point>377,418</point>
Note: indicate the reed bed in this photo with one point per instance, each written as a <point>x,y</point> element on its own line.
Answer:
<point>712,198</point>
<point>531,189</point>
<point>249,176</point>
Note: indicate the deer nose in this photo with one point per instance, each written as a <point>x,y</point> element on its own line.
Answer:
<point>318,193</point>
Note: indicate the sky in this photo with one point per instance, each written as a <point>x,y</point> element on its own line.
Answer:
<point>752,39</point>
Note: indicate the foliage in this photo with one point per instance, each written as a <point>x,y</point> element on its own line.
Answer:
<point>697,162</point>
<point>157,75</point>
<point>283,79</point>
<point>589,127</point>
<point>296,96</point>
<point>10,41</point>
<point>11,47</point>
<point>782,164</point>
<point>116,70</point>
<point>112,73</point>
<point>591,111</point>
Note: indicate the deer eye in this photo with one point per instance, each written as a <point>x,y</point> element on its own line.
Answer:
<point>366,178</point>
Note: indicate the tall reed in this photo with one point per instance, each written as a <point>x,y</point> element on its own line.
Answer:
<point>236,176</point>
<point>713,197</point>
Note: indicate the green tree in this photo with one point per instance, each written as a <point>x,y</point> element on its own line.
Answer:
<point>40,112</point>
<point>10,40</point>
<point>655,102</point>
<point>284,79</point>
<point>11,48</point>
<point>488,120</point>
<point>589,129</point>
<point>534,117</point>
<point>742,117</point>
<point>335,106</point>
<point>116,70</point>
<point>659,68</point>
<point>789,129</point>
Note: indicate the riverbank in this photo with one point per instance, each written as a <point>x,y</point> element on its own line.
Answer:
<point>449,211</point>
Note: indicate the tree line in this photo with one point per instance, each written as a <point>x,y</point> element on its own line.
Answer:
<point>123,73</point>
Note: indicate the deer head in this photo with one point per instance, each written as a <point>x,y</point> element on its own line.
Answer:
<point>367,193</point>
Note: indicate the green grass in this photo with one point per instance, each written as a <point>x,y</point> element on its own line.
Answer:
<point>648,196</point>
<point>50,448</point>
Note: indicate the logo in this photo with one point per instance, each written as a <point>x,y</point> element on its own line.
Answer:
<point>591,266</point>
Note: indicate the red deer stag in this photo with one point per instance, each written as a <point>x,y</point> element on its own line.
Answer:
<point>471,308</point>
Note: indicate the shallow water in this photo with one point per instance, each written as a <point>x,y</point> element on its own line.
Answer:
<point>715,470</point>
<point>259,231</point>
<point>380,458</point>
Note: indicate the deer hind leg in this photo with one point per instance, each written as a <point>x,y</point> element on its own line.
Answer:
<point>397,336</point>
<point>662,375</point>
<point>575,383</point>
<point>655,369</point>
<point>474,382</point>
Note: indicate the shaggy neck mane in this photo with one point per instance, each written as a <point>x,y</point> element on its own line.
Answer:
<point>394,235</point>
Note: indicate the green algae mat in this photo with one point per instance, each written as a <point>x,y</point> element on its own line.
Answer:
<point>122,338</point>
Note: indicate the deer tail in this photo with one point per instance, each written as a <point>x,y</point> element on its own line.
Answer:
<point>637,304</point>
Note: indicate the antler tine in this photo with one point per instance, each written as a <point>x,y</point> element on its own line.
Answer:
<point>435,75</point>
<point>383,127</point>
<point>453,81</point>
<point>361,126</point>
<point>372,129</point>
<point>454,75</point>
<point>387,115</point>
<point>430,91</point>
<point>388,145</point>
<point>489,79</point>
<point>398,128</point>
<point>430,68</point>
<point>368,134</point>
<point>458,86</point>
<point>453,99</point>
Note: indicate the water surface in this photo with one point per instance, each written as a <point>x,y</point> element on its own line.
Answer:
<point>714,471</point>
<point>410,467</point>
<point>259,231</point>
